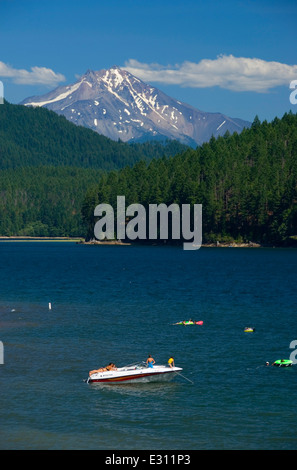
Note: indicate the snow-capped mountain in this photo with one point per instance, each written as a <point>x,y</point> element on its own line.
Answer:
<point>118,105</point>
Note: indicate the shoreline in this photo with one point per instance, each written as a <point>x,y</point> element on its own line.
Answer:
<point>81,241</point>
<point>204,245</point>
<point>105,242</point>
<point>40,239</point>
<point>234,245</point>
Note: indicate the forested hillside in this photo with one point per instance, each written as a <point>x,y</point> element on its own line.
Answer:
<point>47,164</point>
<point>40,137</point>
<point>44,201</point>
<point>246,183</point>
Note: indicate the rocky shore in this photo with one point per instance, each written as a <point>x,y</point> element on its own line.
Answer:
<point>104,242</point>
<point>207,245</point>
<point>233,245</point>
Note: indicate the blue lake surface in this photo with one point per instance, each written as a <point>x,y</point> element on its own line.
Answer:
<point>119,303</point>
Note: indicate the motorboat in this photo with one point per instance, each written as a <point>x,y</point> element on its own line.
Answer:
<point>135,373</point>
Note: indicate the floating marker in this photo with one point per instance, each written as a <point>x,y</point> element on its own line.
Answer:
<point>49,306</point>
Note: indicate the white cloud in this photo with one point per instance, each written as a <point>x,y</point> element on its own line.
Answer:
<point>36,75</point>
<point>229,72</point>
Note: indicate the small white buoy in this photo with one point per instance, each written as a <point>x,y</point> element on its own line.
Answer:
<point>49,306</point>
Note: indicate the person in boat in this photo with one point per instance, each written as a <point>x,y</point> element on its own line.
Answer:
<point>171,362</point>
<point>150,361</point>
<point>111,366</point>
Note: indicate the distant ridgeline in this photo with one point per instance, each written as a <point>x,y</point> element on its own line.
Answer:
<point>47,164</point>
<point>246,183</point>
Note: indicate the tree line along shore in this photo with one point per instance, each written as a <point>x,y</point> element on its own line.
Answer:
<point>53,174</point>
<point>247,185</point>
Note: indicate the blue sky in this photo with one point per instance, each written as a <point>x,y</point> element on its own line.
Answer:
<point>232,56</point>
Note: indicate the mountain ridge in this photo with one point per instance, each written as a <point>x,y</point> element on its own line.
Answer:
<point>117,104</point>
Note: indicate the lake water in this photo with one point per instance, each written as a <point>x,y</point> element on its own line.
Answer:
<point>118,303</point>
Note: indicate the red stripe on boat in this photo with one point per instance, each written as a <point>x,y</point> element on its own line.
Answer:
<point>124,379</point>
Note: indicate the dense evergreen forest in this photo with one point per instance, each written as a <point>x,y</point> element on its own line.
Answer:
<point>247,184</point>
<point>40,137</point>
<point>47,164</point>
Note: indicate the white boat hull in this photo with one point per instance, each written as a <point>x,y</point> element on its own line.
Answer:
<point>136,374</point>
